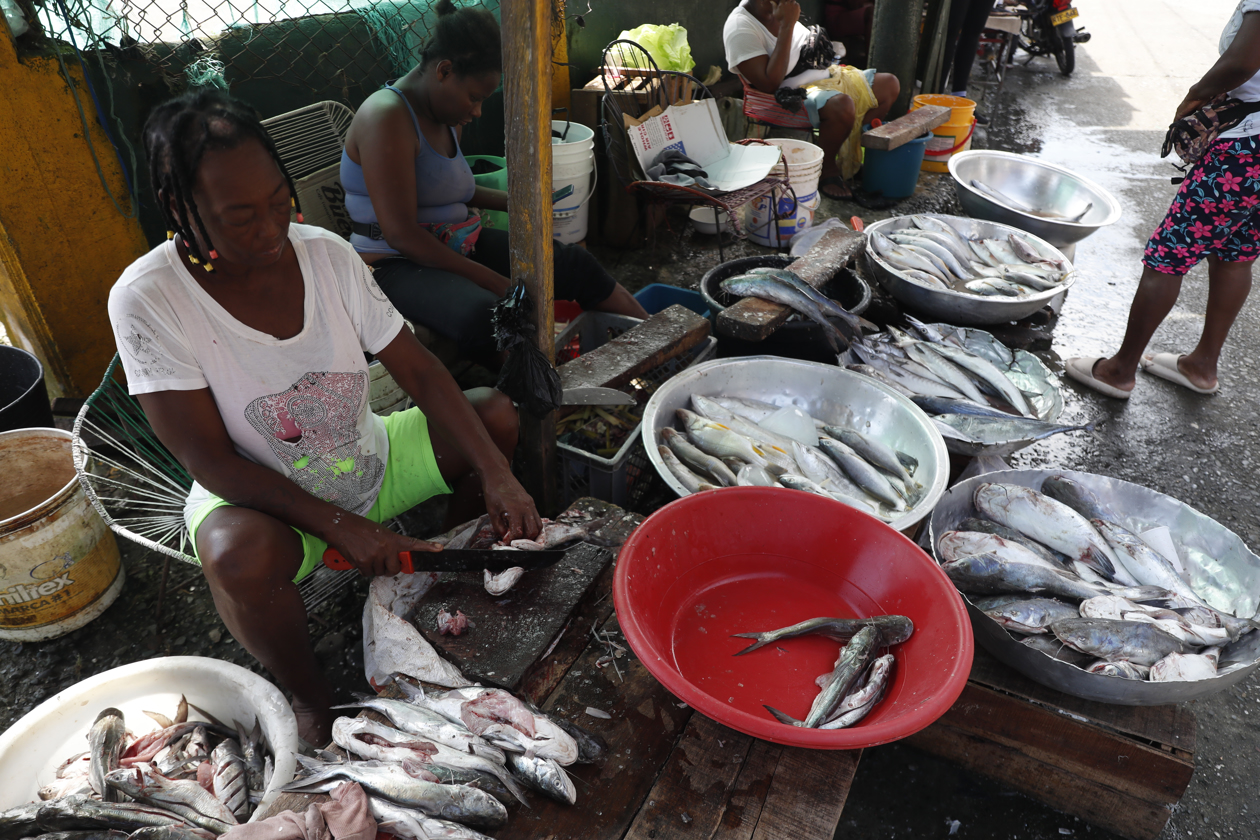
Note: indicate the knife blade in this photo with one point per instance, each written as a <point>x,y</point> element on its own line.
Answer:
<point>591,395</point>
<point>458,560</point>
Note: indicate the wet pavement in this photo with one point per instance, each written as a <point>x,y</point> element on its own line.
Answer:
<point>1105,122</point>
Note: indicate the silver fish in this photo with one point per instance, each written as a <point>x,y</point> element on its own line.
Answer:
<point>880,376</point>
<point>859,704</point>
<point>955,245</point>
<point>1130,641</point>
<point>862,473</point>
<point>983,255</point>
<point>193,803</point>
<point>769,288</point>
<point>1144,563</point>
<point>544,776</point>
<point>925,279</point>
<point>229,779</point>
<point>106,741</point>
<point>459,803</point>
<point>1048,522</point>
<point>901,258</point>
<point>830,308</point>
<point>416,824</point>
<point>946,256</point>
<point>20,821</point>
<point>989,430</point>
<point>893,629</point>
<point>427,724</point>
<point>939,226</point>
<point>754,410</point>
<point>689,454</point>
<point>945,405</point>
<point>1055,649</point>
<point>1076,496</point>
<point>988,374</point>
<point>252,751</point>
<point>994,286</point>
<point>848,670</point>
<point>77,813</point>
<point>873,450</point>
<point>988,574</point>
<point>691,482</point>
<point>813,464</point>
<point>945,371</point>
<point>1031,615</point>
<point>989,527</point>
<point>800,482</point>
<point>1123,670</point>
<point>954,545</point>
<point>718,440</point>
<point>923,253</point>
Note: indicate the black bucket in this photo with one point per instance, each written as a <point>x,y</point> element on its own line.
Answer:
<point>23,395</point>
<point>797,339</point>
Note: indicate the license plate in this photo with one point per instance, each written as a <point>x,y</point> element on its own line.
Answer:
<point>1064,16</point>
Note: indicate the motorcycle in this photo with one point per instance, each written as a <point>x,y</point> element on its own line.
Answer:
<point>1047,28</point>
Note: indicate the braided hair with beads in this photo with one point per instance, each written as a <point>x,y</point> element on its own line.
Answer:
<point>177,135</point>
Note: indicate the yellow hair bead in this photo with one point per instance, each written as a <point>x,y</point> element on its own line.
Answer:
<point>194,260</point>
<point>170,234</point>
<point>208,267</point>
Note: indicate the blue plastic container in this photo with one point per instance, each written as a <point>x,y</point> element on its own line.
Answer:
<point>895,173</point>
<point>658,296</point>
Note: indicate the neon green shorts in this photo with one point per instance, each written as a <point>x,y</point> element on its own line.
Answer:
<point>411,476</point>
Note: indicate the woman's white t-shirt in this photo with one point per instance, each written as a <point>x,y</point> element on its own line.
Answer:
<point>745,37</point>
<point>297,405</point>
<point>1248,91</point>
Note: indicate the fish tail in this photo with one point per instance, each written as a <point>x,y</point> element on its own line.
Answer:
<point>760,643</point>
<point>783,717</point>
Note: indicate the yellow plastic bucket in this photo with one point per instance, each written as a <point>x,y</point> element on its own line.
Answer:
<point>953,136</point>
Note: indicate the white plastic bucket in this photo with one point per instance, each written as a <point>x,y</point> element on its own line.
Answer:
<point>572,163</point>
<point>59,564</point>
<point>792,219</point>
<point>803,161</point>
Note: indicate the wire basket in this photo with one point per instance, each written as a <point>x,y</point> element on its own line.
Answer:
<point>626,478</point>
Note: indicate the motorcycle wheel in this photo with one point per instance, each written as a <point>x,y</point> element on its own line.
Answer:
<point>1065,49</point>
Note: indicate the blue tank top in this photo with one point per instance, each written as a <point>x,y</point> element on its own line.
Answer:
<point>444,186</point>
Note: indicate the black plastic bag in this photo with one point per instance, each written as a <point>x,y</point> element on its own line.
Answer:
<point>526,377</point>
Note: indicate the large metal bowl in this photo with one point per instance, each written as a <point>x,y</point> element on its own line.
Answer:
<point>1036,184</point>
<point>1237,590</point>
<point>958,307</point>
<point>828,393</point>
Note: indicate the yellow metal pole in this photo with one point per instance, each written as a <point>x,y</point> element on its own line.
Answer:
<point>527,77</point>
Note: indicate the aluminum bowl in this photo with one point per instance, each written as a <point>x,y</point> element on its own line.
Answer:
<point>1237,572</point>
<point>957,307</point>
<point>825,391</point>
<point>1036,184</point>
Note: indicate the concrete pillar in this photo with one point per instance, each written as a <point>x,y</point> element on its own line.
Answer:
<point>895,33</point>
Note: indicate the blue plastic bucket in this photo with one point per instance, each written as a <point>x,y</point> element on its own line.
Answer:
<point>658,296</point>
<point>894,173</point>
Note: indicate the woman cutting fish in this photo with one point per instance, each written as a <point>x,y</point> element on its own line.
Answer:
<point>243,338</point>
<point>1216,214</point>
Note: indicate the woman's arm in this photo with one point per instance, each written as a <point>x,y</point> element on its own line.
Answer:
<point>766,73</point>
<point>1239,62</point>
<point>488,199</point>
<point>189,424</point>
<point>387,155</point>
<point>436,393</point>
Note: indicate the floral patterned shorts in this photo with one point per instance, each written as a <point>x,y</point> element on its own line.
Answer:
<point>1216,212</point>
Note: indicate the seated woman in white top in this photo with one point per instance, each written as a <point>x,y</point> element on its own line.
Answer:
<point>757,53</point>
<point>243,338</point>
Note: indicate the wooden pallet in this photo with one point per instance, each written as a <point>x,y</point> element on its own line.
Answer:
<point>1121,768</point>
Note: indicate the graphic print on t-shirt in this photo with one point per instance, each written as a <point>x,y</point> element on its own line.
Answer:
<point>313,430</point>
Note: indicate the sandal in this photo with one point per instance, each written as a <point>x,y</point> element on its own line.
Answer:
<point>835,181</point>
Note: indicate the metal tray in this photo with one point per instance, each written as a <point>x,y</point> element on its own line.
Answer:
<point>825,391</point>
<point>1236,588</point>
<point>957,307</point>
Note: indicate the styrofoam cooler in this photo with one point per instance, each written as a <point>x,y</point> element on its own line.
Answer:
<point>572,163</point>
<point>803,162</point>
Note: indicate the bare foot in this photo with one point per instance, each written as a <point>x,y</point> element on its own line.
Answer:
<point>314,723</point>
<point>1106,370</point>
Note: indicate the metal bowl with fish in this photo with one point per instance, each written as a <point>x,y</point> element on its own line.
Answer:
<point>965,308</point>
<point>827,393</point>
<point>1026,372</point>
<point>1221,570</point>
<point>32,748</point>
<point>1045,200</point>
<point>753,559</point>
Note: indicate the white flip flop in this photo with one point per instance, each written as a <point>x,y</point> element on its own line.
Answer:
<point>1082,370</point>
<point>1165,366</point>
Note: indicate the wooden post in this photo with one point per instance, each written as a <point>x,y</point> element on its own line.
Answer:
<point>527,115</point>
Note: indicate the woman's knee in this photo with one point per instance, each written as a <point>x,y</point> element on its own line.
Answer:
<point>839,108</point>
<point>886,88</point>
<point>498,415</point>
<point>246,552</point>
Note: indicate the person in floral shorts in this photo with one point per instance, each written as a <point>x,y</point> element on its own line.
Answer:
<point>1215,215</point>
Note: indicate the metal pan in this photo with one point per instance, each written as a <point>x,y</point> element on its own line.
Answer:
<point>828,393</point>
<point>1232,585</point>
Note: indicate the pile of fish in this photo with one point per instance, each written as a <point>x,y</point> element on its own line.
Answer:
<point>970,396</point>
<point>185,780</point>
<point>447,764</point>
<point>940,255</point>
<point>857,682</point>
<point>1059,567</point>
<point>782,286</point>
<point>729,441</point>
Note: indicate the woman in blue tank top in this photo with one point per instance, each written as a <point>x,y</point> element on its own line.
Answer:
<point>411,194</point>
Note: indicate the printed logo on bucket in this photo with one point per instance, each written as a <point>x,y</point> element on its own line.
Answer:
<point>55,598</point>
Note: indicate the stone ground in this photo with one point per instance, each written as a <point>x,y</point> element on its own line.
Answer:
<point>1105,122</point>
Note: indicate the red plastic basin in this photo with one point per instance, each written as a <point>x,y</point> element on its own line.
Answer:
<point>750,559</point>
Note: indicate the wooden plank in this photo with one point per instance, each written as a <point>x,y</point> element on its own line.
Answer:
<point>1128,816</point>
<point>646,722</point>
<point>1170,726</point>
<point>808,793</point>
<point>513,630</point>
<point>753,319</point>
<point>527,51</point>
<point>901,131</point>
<point>663,336</point>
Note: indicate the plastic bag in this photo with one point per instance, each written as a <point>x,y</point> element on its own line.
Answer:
<point>809,237</point>
<point>526,377</point>
<point>667,44</point>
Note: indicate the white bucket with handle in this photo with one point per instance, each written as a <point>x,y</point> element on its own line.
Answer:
<point>572,164</point>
